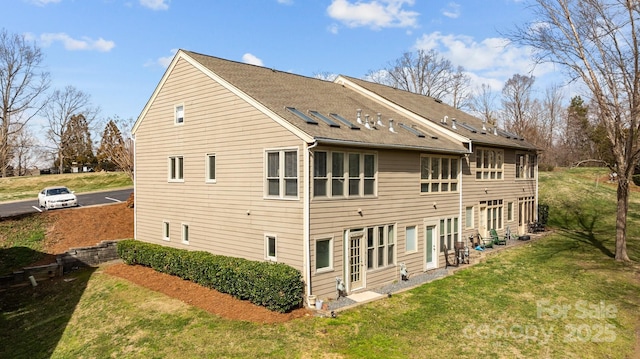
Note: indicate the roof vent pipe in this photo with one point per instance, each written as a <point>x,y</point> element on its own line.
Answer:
<point>391,129</point>
<point>495,131</point>
<point>453,124</point>
<point>359,111</point>
<point>484,126</point>
<point>366,122</point>
<point>444,120</point>
<point>379,123</point>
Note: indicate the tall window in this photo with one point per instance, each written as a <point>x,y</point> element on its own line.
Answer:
<point>324,254</point>
<point>525,165</point>
<point>165,231</point>
<point>282,174</point>
<point>448,233</point>
<point>438,174</point>
<point>211,168</point>
<point>411,244</point>
<point>337,174</point>
<point>494,213</point>
<point>270,248</point>
<point>176,168</point>
<point>179,114</point>
<point>185,233</point>
<point>468,217</point>
<point>489,164</point>
<point>380,246</point>
<point>510,211</point>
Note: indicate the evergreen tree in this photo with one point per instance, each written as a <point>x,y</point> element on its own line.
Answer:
<point>77,147</point>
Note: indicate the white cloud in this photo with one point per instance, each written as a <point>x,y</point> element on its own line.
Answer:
<point>491,58</point>
<point>252,59</point>
<point>43,2</point>
<point>156,4</point>
<point>83,44</point>
<point>162,61</point>
<point>375,14</point>
<point>285,2</point>
<point>333,28</point>
<point>452,10</point>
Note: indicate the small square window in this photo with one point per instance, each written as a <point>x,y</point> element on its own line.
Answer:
<point>179,115</point>
<point>270,248</point>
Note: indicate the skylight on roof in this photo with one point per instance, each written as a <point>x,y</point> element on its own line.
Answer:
<point>412,130</point>
<point>306,118</point>
<point>324,118</point>
<point>469,127</point>
<point>345,121</point>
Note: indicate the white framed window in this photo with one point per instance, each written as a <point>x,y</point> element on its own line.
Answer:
<point>489,164</point>
<point>185,233</point>
<point>176,169</point>
<point>282,174</point>
<point>411,243</point>
<point>324,255</point>
<point>270,247</point>
<point>448,233</point>
<point>210,168</point>
<point>468,217</point>
<point>179,114</point>
<point>340,174</point>
<point>438,174</point>
<point>526,165</point>
<point>494,213</point>
<point>509,211</point>
<point>166,231</point>
<point>380,246</point>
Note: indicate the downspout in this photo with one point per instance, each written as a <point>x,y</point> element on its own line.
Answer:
<point>307,215</point>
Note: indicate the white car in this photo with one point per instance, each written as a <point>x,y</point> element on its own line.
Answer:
<point>57,197</point>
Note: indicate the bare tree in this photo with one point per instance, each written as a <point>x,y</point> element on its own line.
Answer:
<point>62,106</point>
<point>459,89</point>
<point>484,104</point>
<point>553,113</point>
<point>596,42</point>
<point>423,72</point>
<point>22,84</point>
<point>24,146</point>
<point>517,106</point>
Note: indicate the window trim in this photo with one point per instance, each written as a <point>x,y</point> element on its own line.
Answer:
<point>268,257</point>
<point>207,169</point>
<point>166,230</point>
<point>329,267</point>
<point>175,168</point>
<point>345,177</point>
<point>185,233</point>
<point>178,121</point>
<point>453,178</point>
<point>484,170</point>
<point>282,178</point>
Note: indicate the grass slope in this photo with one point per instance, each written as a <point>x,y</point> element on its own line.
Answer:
<point>561,296</point>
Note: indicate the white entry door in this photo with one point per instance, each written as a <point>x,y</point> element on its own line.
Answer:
<point>430,247</point>
<point>356,250</point>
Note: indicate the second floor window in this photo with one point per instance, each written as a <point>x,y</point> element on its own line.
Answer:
<point>489,164</point>
<point>525,166</point>
<point>340,174</point>
<point>282,174</point>
<point>438,174</point>
<point>179,115</point>
<point>176,168</point>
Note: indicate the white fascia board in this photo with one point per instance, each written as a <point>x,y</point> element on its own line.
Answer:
<point>374,96</point>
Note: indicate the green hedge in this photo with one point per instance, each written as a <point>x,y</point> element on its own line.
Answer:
<point>275,286</point>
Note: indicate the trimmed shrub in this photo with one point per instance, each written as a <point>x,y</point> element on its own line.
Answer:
<point>276,286</point>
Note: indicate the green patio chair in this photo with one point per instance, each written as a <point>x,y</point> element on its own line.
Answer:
<point>495,238</point>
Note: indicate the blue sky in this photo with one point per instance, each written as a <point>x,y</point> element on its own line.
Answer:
<point>117,50</point>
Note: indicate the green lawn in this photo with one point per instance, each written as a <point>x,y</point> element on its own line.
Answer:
<point>559,297</point>
<point>18,188</point>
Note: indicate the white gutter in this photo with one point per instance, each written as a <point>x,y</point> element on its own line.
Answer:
<point>306,236</point>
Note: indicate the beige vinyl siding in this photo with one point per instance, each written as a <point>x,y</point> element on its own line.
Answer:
<point>399,202</point>
<point>509,189</point>
<point>229,217</point>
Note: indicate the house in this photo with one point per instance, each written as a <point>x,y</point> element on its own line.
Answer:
<point>343,180</point>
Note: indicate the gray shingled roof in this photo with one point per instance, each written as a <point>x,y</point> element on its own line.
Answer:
<point>433,110</point>
<point>277,90</point>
